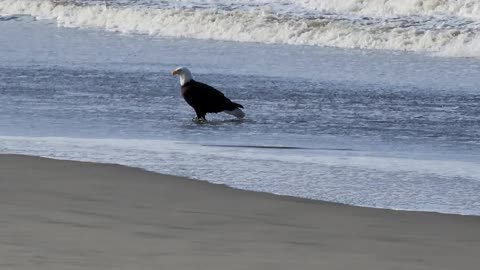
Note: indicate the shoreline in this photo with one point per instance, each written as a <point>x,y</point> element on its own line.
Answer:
<point>239,189</point>
<point>59,214</point>
<point>288,197</point>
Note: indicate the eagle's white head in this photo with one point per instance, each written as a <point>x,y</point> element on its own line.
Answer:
<point>184,74</point>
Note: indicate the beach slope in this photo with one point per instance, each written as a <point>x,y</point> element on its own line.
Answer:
<point>75,215</point>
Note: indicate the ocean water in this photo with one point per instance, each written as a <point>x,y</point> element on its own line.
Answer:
<point>370,103</point>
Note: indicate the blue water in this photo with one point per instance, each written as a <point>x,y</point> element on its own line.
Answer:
<point>374,128</point>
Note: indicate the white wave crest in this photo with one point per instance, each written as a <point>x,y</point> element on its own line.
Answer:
<point>255,26</point>
<point>466,8</point>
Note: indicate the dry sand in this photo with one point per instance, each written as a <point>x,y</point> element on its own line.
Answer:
<point>73,215</point>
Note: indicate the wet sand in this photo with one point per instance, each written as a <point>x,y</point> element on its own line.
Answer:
<point>75,215</point>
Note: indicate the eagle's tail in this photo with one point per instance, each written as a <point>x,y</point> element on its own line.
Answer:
<point>237,105</point>
<point>237,113</point>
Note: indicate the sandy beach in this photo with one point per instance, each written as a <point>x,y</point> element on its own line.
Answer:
<point>76,215</point>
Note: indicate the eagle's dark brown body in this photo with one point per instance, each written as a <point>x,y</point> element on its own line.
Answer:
<point>205,99</point>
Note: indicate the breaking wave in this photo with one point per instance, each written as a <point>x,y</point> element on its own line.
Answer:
<point>465,8</point>
<point>450,29</point>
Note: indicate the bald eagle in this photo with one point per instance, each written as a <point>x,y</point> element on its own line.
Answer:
<point>203,98</point>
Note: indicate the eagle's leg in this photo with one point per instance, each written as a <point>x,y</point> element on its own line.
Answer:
<point>200,117</point>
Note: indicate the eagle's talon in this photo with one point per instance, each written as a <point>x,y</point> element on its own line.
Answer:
<point>200,120</point>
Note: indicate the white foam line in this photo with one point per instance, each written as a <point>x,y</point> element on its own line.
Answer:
<point>465,8</point>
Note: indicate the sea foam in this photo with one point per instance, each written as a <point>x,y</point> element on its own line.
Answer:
<point>465,8</point>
